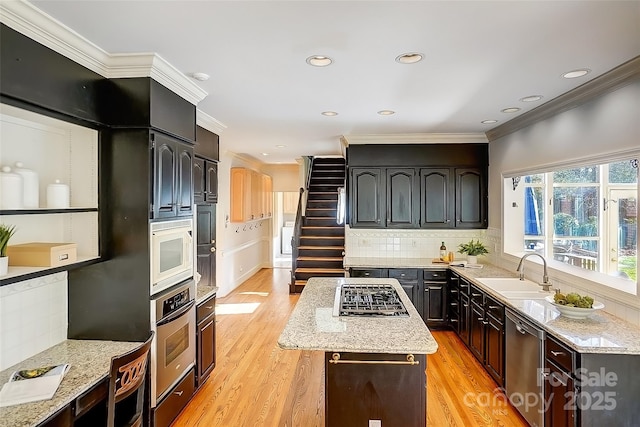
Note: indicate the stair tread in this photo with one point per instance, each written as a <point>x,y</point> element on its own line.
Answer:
<point>320,258</point>
<point>322,237</point>
<point>321,247</point>
<point>319,270</point>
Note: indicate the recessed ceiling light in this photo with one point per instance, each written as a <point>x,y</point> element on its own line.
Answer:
<point>265,154</point>
<point>488,122</point>
<point>576,73</point>
<point>329,113</point>
<point>511,110</point>
<point>386,112</point>
<point>200,76</point>
<point>319,61</point>
<point>280,146</point>
<point>531,98</point>
<point>409,58</point>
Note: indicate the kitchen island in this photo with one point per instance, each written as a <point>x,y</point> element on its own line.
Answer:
<point>375,367</point>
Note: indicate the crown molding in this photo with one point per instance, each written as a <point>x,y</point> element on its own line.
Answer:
<point>414,138</point>
<point>37,25</point>
<point>209,123</point>
<point>605,83</point>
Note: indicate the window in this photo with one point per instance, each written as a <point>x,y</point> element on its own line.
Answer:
<point>584,217</point>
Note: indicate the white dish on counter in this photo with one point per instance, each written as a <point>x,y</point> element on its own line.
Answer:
<point>575,312</point>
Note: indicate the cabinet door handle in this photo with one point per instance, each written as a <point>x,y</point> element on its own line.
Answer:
<point>558,378</point>
<point>481,319</point>
<point>493,307</point>
<point>208,307</point>
<point>179,393</point>
<point>475,295</point>
<point>557,353</point>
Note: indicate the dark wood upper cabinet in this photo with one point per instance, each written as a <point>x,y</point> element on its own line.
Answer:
<point>402,204</point>
<point>207,144</point>
<point>205,181</point>
<point>471,199</point>
<point>366,196</point>
<point>198,180</point>
<point>418,186</point>
<point>173,177</point>
<point>436,198</point>
<point>211,182</point>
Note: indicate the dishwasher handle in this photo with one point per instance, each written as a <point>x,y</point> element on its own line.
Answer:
<point>524,326</point>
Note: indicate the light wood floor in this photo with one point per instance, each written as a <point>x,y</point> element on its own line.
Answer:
<point>255,383</point>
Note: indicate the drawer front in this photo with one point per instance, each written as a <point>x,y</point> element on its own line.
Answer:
<point>91,398</point>
<point>403,273</point>
<point>464,285</point>
<point>175,401</point>
<point>371,272</point>
<point>435,275</point>
<point>494,308</point>
<point>477,296</point>
<point>205,309</point>
<point>559,354</point>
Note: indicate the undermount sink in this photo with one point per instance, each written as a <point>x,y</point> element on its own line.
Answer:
<point>524,294</point>
<point>500,284</point>
<point>514,288</point>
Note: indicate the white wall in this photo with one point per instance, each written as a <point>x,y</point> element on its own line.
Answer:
<point>33,317</point>
<point>243,248</point>
<point>284,177</point>
<point>603,128</point>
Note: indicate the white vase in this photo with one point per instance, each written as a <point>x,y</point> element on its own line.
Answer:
<point>472,259</point>
<point>4,265</point>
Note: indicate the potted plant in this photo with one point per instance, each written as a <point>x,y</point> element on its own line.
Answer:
<point>6,231</point>
<point>472,249</point>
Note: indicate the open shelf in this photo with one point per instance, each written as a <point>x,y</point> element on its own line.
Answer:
<point>18,274</point>
<point>55,150</point>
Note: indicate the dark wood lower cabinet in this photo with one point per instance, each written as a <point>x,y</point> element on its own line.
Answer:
<point>359,392</point>
<point>206,330</point>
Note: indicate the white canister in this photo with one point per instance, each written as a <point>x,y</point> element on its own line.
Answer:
<point>10,189</point>
<point>30,188</point>
<point>57,195</point>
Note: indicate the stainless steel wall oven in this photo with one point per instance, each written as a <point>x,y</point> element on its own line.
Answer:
<point>173,353</point>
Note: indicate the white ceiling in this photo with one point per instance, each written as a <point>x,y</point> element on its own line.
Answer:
<point>480,57</point>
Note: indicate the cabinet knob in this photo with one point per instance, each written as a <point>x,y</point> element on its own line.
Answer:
<point>213,241</point>
<point>213,249</point>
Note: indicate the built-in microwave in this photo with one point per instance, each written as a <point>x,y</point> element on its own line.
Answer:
<point>171,253</point>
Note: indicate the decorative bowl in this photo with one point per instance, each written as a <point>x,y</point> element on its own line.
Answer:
<point>575,312</point>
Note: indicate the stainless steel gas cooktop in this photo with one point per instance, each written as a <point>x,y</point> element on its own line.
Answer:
<point>368,300</point>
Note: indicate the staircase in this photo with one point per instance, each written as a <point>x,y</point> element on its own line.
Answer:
<point>321,247</point>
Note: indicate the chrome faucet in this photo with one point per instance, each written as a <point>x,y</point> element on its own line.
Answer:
<point>545,277</point>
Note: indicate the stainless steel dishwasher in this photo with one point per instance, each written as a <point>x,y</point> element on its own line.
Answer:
<point>524,356</point>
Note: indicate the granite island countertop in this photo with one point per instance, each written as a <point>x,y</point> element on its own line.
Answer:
<point>89,361</point>
<point>600,333</point>
<point>205,292</point>
<point>312,325</point>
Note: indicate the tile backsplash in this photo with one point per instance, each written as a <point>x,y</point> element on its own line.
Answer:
<point>33,317</point>
<point>396,243</point>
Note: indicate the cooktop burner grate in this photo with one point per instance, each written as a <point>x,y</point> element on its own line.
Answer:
<point>369,300</point>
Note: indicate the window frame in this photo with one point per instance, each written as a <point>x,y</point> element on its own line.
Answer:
<point>600,283</point>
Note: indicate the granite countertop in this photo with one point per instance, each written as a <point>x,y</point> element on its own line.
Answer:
<point>599,333</point>
<point>204,292</point>
<point>312,325</point>
<point>90,363</point>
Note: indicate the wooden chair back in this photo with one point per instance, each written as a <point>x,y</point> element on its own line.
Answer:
<point>128,377</point>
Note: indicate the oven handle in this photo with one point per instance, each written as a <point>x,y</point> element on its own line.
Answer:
<point>173,316</point>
